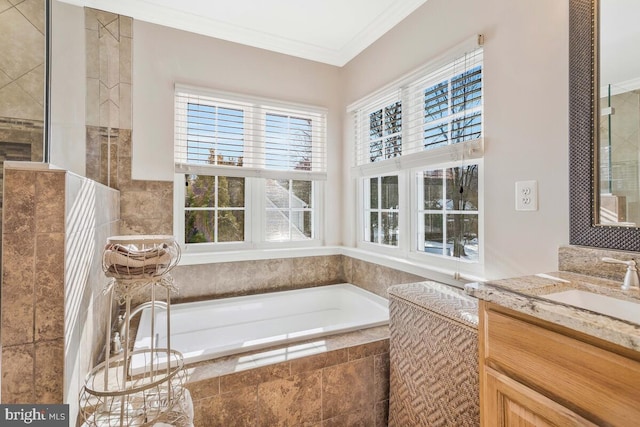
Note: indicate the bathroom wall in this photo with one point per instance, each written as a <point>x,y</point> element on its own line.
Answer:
<point>164,56</point>
<point>146,206</point>
<point>54,313</point>
<point>525,115</point>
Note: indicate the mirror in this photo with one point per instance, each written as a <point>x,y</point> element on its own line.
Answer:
<point>603,182</point>
<point>618,138</point>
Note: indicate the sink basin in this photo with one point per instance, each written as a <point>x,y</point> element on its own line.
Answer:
<point>620,309</point>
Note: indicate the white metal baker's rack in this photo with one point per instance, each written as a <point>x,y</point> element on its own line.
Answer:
<point>112,394</point>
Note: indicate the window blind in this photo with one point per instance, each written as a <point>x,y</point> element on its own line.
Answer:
<point>233,135</point>
<point>433,116</point>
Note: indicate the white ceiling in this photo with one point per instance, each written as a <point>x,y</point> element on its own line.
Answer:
<point>329,31</point>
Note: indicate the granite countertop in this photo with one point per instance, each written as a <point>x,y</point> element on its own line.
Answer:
<point>527,295</point>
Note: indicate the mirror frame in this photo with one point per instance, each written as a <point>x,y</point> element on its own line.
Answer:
<point>583,122</point>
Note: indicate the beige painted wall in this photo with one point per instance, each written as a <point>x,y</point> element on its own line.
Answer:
<point>526,114</point>
<point>68,87</point>
<point>526,109</point>
<point>163,56</point>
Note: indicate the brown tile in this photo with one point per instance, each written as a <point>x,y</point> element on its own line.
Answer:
<point>126,26</point>
<point>368,349</point>
<point>347,388</point>
<point>17,288</point>
<point>49,371</point>
<point>254,376</point>
<point>50,197</point>
<point>319,361</point>
<point>49,286</point>
<point>17,374</point>
<point>291,401</point>
<point>145,226</point>
<point>381,377</point>
<point>250,276</point>
<point>361,418</point>
<point>317,270</point>
<point>124,143</point>
<point>382,414</point>
<point>19,201</point>
<point>235,409</point>
<point>346,268</point>
<point>104,170</point>
<point>203,389</point>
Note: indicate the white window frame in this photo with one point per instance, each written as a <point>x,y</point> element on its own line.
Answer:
<point>459,264</point>
<point>366,182</point>
<point>406,167</point>
<point>254,174</point>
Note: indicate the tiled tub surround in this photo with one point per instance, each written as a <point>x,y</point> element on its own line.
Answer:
<point>224,279</point>
<point>433,356</point>
<point>527,295</point>
<point>55,223</point>
<point>336,380</point>
<point>340,380</point>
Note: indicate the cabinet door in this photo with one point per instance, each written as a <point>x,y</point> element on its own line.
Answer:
<point>511,404</point>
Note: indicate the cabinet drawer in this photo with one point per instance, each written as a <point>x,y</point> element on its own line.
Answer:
<point>601,385</point>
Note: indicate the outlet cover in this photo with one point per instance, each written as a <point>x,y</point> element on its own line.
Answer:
<point>527,195</point>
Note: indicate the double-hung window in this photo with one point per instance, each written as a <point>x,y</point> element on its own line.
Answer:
<point>418,159</point>
<point>249,171</point>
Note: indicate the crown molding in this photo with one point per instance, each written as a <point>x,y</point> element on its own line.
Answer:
<point>147,11</point>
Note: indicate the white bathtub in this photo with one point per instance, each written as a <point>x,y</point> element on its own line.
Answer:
<point>209,329</point>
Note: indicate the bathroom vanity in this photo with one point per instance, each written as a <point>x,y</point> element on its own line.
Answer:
<point>546,363</point>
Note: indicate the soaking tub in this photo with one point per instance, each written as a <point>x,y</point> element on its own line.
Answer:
<point>208,329</point>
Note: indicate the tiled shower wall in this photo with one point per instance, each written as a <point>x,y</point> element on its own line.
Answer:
<point>52,304</point>
<point>146,206</point>
<point>22,39</point>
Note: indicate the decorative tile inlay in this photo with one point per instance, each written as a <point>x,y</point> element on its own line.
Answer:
<point>21,46</point>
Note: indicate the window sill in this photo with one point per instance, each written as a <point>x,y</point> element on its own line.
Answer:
<point>438,274</point>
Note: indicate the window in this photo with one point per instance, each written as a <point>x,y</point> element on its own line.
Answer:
<point>385,132</point>
<point>381,210</point>
<point>249,171</point>
<point>214,209</point>
<point>289,210</point>
<point>448,212</point>
<point>453,109</point>
<point>418,156</point>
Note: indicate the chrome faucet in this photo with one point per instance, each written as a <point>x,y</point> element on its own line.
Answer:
<point>631,280</point>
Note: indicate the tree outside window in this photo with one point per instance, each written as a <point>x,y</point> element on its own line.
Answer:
<point>449,212</point>
<point>381,210</point>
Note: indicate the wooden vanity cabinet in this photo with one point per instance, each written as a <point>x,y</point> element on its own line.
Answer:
<point>536,373</point>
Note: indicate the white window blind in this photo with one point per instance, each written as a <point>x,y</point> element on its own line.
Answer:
<point>432,115</point>
<point>218,133</point>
